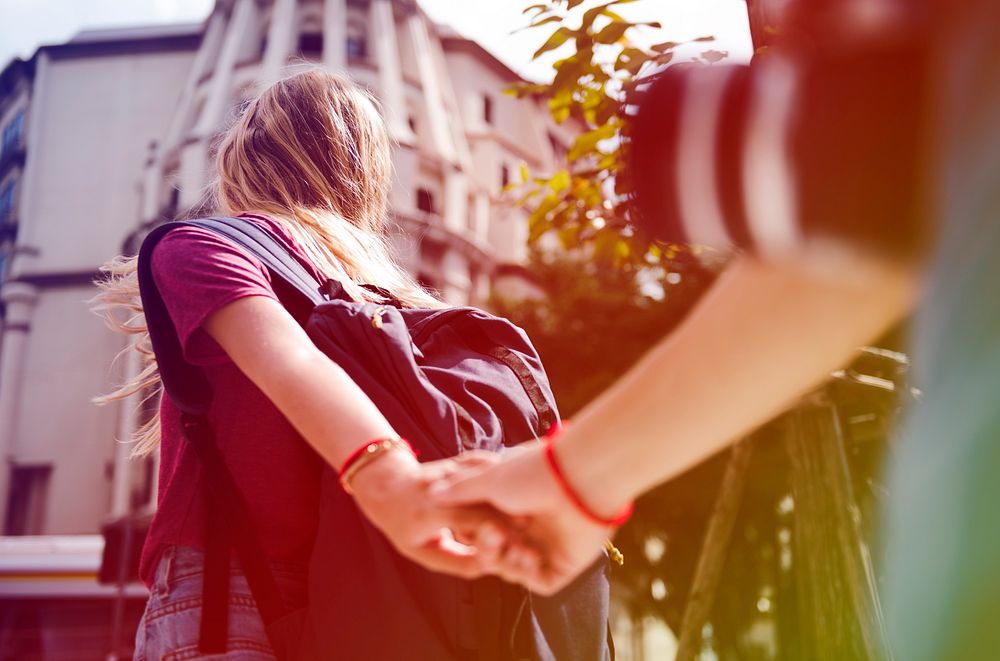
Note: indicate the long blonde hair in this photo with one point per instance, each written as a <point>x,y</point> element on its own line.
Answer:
<point>311,152</point>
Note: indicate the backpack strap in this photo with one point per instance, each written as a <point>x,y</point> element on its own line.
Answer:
<point>229,522</point>
<point>262,244</point>
<point>184,383</point>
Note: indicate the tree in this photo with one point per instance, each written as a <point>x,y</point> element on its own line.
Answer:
<point>586,203</point>
<point>611,296</point>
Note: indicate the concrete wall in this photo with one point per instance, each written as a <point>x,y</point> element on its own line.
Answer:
<point>92,119</point>
<point>67,362</point>
<point>91,129</point>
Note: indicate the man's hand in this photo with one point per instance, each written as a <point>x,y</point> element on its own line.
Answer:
<point>547,542</point>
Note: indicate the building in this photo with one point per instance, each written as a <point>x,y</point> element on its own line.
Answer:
<point>111,133</point>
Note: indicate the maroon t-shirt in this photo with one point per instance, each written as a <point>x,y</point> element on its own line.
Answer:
<point>197,273</point>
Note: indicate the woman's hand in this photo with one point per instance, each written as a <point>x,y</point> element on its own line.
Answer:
<point>392,491</point>
<point>547,542</point>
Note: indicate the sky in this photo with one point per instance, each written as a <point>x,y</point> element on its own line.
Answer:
<point>27,24</point>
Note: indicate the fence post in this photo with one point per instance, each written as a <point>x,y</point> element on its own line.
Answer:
<point>839,616</point>
<point>713,551</point>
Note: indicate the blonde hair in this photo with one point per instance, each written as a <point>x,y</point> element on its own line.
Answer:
<point>311,152</point>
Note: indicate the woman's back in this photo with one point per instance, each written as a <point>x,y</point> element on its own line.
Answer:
<point>198,272</point>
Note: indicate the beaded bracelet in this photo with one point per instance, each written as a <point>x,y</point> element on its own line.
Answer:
<point>560,477</point>
<point>367,453</point>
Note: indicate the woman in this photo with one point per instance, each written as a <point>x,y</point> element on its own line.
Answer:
<point>308,161</point>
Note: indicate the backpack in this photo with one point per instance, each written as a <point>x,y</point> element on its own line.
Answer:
<point>448,380</point>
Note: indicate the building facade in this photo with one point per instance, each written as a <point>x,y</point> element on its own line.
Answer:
<point>111,133</point>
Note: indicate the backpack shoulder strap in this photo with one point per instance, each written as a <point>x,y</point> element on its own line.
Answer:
<point>262,244</point>
<point>184,383</point>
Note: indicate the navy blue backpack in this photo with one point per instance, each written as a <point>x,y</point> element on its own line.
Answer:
<point>446,379</point>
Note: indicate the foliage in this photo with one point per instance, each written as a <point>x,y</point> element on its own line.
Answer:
<point>601,313</point>
<point>594,322</point>
<point>591,325</point>
<point>586,202</point>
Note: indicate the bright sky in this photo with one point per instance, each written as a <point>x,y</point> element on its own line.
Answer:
<point>26,24</point>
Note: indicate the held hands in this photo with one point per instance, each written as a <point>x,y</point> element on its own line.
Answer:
<point>481,514</point>
<point>393,493</point>
<point>546,542</point>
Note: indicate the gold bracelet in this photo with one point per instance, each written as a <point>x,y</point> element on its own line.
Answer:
<point>370,453</point>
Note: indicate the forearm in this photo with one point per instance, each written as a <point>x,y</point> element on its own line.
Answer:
<point>320,400</point>
<point>760,338</point>
<point>324,405</point>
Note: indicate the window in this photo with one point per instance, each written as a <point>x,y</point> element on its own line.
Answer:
<point>29,486</point>
<point>425,200</point>
<point>12,133</point>
<point>7,201</point>
<point>4,258</point>
<point>488,109</point>
<point>173,203</point>
<point>311,45</point>
<point>357,42</point>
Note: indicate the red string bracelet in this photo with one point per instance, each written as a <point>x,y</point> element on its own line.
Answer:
<point>582,507</point>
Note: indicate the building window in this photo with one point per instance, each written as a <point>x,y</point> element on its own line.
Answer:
<point>357,41</point>
<point>504,176</point>
<point>29,486</point>
<point>425,200</point>
<point>488,109</point>
<point>311,45</point>
<point>5,251</point>
<point>7,201</point>
<point>12,133</point>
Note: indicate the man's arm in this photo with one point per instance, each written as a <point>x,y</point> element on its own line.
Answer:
<point>762,336</point>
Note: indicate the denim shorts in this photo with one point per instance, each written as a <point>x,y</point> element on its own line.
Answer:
<point>169,628</point>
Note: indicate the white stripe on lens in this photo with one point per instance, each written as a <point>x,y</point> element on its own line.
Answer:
<point>768,179</point>
<point>697,184</point>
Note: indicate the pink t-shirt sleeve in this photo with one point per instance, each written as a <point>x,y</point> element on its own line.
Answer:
<point>197,273</point>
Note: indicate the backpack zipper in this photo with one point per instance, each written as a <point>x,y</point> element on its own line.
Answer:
<point>377,317</point>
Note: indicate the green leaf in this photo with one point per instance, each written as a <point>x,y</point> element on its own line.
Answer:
<point>536,8</point>
<point>560,181</point>
<point>612,33</point>
<point>543,21</point>
<point>568,72</point>
<point>666,57</point>
<point>555,40</point>
<point>591,14</point>
<point>665,46</point>
<point>631,60</point>
<point>587,142</point>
